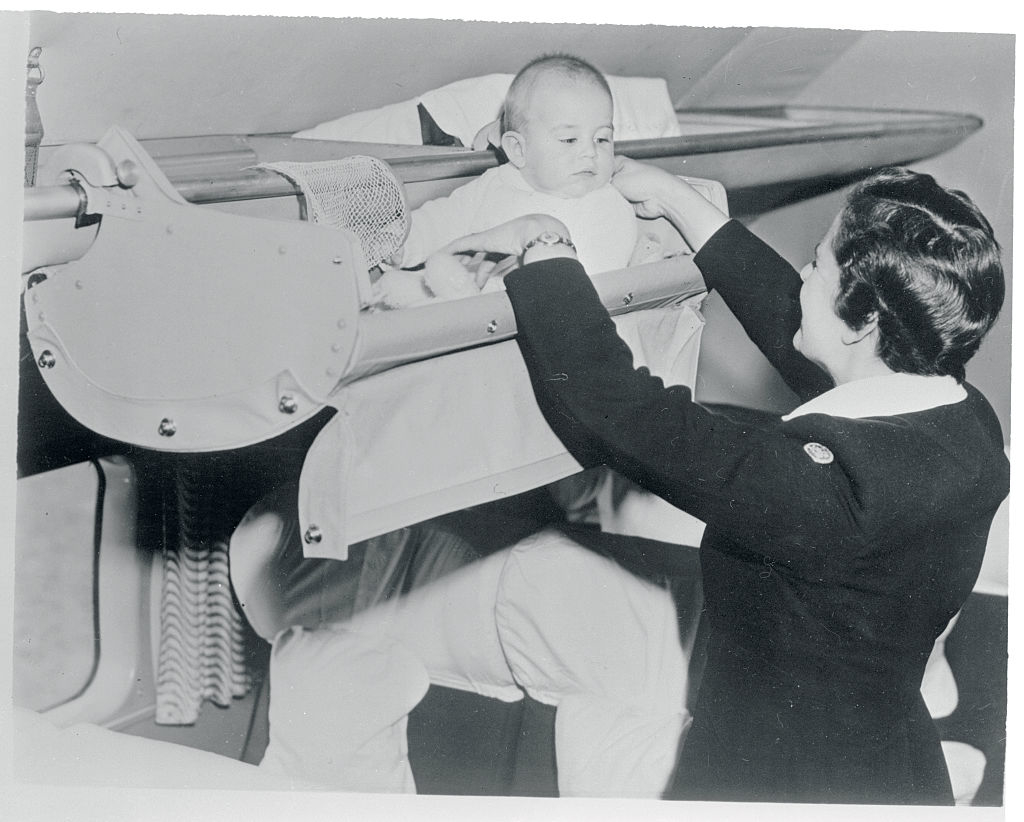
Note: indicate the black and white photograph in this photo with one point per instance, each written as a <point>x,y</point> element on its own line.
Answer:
<point>673,482</point>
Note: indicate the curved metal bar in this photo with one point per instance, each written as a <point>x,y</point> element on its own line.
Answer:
<point>788,136</point>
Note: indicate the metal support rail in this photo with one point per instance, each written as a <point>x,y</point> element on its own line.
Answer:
<point>250,183</point>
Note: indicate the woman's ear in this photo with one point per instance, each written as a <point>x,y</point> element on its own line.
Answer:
<point>514,145</point>
<point>855,335</point>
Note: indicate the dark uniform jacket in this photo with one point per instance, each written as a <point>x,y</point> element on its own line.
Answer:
<point>836,549</point>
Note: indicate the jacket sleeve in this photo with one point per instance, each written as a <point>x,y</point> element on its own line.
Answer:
<point>763,291</point>
<point>753,481</point>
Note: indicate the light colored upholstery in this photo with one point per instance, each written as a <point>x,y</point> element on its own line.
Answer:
<point>89,755</point>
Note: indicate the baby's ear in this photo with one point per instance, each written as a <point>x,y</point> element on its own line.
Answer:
<point>514,145</point>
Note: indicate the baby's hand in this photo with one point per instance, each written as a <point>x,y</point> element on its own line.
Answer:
<point>400,289</point>
<point>448,278</point>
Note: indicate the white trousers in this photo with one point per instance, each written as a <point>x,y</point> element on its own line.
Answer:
<point>547,617</point>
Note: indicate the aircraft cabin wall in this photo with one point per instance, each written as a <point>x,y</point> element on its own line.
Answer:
<point>941,72</point>
<point>185,75</point>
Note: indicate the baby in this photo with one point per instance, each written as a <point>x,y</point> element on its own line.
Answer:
<point>556,130</point>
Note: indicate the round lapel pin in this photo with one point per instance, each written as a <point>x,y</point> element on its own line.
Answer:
<point>819,453</point>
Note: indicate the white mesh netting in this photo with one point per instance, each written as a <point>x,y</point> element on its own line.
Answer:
<point>359,193</point>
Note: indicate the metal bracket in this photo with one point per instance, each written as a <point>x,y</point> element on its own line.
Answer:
<point>190,329</point>
<point>93,172</point>
<point>115,176</point>
<point>85,161</point>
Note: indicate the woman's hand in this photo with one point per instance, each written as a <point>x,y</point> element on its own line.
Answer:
<point>655,192</point>
<point>508,238</point>
<point>643,185</point>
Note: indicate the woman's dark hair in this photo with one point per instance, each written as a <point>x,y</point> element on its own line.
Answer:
<point>924,260</point>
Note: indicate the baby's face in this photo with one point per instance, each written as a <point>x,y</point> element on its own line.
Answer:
<point>567,139</point>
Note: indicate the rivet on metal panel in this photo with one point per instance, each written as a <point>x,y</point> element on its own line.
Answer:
<point>492,326</point>
<point>167,428</point>
<point>79,285</point>
<point>169,229</point>
<point>287,404</point>
<point>42,316</point>
<point>628,298</point>
<point>46,359</point>
<point>282,249</point>
<point>337,261</point>
<point>336,347</point>
<point>342,323</point>
<point>313,535</point>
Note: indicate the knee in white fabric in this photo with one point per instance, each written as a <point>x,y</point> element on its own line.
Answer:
<point>571,621</point>
<point>449,624</point>
<point>339,709</point>
<point>608,749</point>
<point>256,549</point>
<point>584,634</point>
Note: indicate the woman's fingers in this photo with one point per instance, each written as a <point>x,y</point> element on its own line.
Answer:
<point>507,238</point>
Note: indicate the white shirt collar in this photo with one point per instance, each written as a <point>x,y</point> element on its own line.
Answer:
<point>883,396</point>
